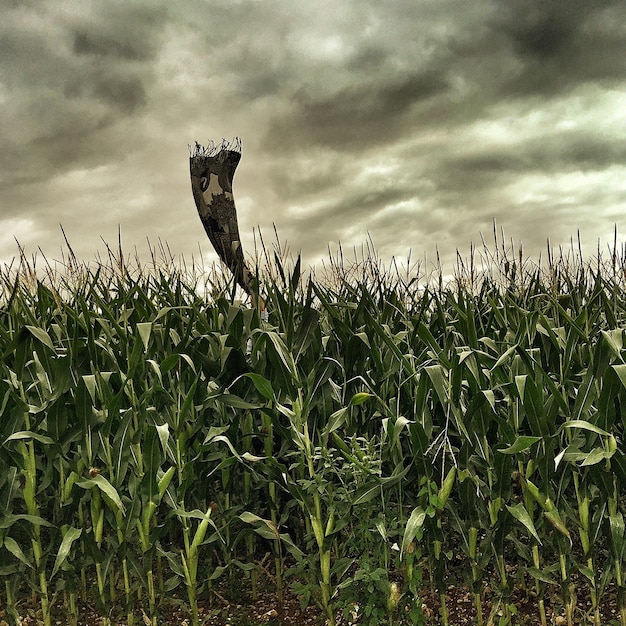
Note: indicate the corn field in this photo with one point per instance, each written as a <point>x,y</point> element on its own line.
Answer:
<point>386,434</point>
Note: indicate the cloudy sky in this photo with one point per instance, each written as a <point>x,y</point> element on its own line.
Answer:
<point>414,122</point>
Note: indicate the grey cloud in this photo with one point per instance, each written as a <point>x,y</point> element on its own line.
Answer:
<point>120,90</point>
<point>561,43</point>
<point>542,29</point>
<point>414,120</point>
<point>106,45</point>
<point>307,175</point>
<point>113,52</point>
<point>368,59</point>
<point>357,205</point>
<point>118,30</point>
<point>74,77</point>
<point>596,152</point>
<point>555,154</point>
<point>129,94</point>
<point>358,116</point>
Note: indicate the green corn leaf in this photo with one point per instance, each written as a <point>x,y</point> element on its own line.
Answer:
<point>521,444</point>
<point>169,363</point>
<point>307,332</point>
<point>303,498</point>
<point>399,425</point>
<point>91,385</point>
<point>555,519</point>
<point>219,571</point>
<point>571,454</point>
<point>544,575</point>
<point>383,333</point>
<point>121,447</point>
<point>337,420</point>
<point>157,370</point>
<point>618,532</point>
<point>614,339</point>
<point>415,522</point>
<point>165,310</point>
<point>214,431</point>
<point>584,425</point>
<point>295,277</point>
<point>584,397</point>
<point>194,514</point>
<point>266,528</point>
<point>173,561</point>
<point>428,338</point>
<point>12,546</point>
<point>505,356</point>
<point>145,330</point>
<point>187,406</point>
<point>370,490</point>
<point>520,384</point>
<point>534,404</point>
<point>520,513</point>
<point>41,335</point>
<point>283,353</point>
<point>29,435</point>
<point>366,492</point>
<point>84,405</point>
<point>163,431</point>
<point>596,455</point>
<point>360,398</point>
<point>6,521</point>
<point>210,439</point>
<point>587,573</point>
<point>69,538</point>
<point>620,370</point>
<point>235,401</point>
<point>490,396</point>
<point>152,455</point>
<point>263,386</point>
<point>446,487</point>
<point>101,483</point>
<point>203,526</point>
<point>252,458</point>
<point>436,375</point>
<point>382,530</point>
<point>189,361</point>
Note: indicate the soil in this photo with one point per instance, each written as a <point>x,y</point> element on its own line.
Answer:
<point>236,607</point>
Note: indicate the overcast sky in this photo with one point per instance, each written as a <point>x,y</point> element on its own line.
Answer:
<point>418,122</point>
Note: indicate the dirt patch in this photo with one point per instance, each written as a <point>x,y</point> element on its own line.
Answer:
<point>240,609</point>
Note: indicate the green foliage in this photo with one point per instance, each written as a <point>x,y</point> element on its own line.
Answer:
<point>381,435</point>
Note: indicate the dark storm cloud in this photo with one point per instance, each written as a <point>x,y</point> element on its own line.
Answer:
<point>357,207</point>
<point>121,95</point>
<point>111,45</point>
<point>357,116</point>
<point>73,76</point>
<point>119,30</point>
<point>579,152</point>
<point>545,29</point>
<point>520,56</point>
<point>562,43</point>
<point>416,121</point>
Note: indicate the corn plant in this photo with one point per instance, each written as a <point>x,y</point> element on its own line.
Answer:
<point>156,434</point>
